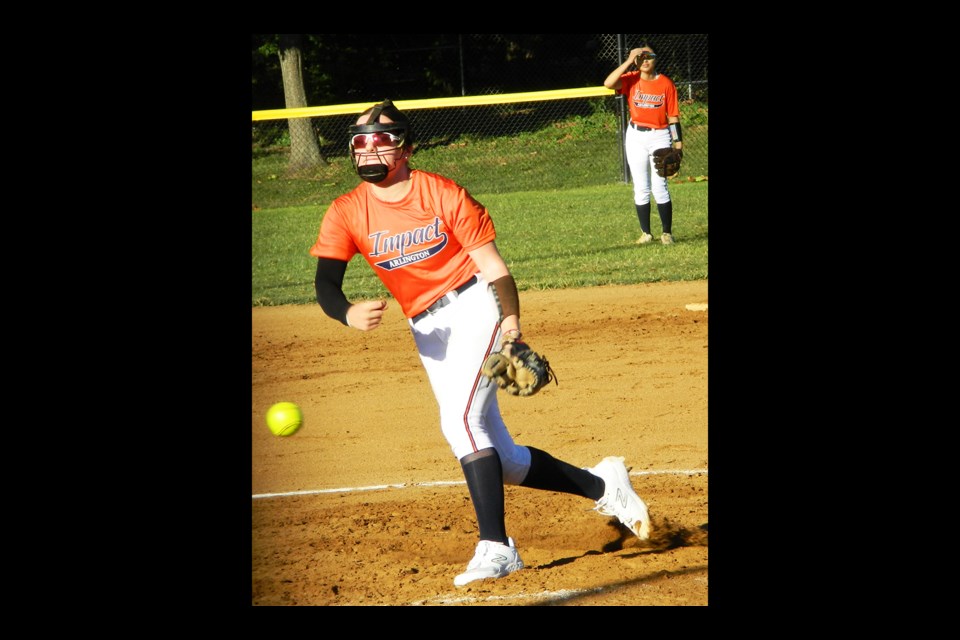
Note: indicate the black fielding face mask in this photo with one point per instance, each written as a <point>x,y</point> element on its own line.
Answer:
<point>373,172</point>
<point>378,172</point>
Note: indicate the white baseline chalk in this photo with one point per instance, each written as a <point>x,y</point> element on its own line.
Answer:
<point>442,483</point>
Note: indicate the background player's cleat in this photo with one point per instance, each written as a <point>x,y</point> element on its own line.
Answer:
<point>645,238</point>
<point>619,499</point>
<point>666,238</point>
<point>492,560</point>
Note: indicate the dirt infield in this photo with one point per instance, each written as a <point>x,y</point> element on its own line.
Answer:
<point>384,518</point>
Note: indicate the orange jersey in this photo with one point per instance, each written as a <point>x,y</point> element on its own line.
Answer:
<point>651,101</point>
<point>419,246</point>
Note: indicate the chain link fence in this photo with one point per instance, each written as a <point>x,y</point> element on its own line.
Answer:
<point>501,147</point>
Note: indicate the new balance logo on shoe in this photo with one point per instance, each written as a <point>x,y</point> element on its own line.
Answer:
<point>619,499</point>
<point>491,560</point>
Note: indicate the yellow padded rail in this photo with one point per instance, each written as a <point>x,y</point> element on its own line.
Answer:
<point>435,103</point>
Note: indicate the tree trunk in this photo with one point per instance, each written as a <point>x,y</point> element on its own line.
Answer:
<point>304,149</point>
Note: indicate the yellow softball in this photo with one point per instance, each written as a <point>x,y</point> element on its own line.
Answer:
<point>284,418</point>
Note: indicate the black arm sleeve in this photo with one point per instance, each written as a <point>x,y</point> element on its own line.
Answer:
<point>329,286</point>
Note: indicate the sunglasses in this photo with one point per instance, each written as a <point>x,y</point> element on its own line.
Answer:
<point>379,139</point>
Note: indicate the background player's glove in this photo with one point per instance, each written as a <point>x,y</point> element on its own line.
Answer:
<point>518,369</point>
<point>667,161</point>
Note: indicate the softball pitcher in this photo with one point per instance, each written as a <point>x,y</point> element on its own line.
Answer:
<point>432,245</point>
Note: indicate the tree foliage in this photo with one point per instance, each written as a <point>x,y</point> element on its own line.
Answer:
<point>339,68</point>
<point>350,68</point>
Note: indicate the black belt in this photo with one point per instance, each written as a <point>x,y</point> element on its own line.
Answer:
<point>445,299</point>
<point>639,128</point>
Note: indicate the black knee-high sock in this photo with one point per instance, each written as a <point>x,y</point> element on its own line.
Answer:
<point>550,474</point>
<point>484,473</point>
<point>643,215</point>
<point>665,209</point>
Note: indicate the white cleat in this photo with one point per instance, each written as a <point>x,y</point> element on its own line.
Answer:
<point>645,238</point>
<point>619,499</point>
<point>492,560</point>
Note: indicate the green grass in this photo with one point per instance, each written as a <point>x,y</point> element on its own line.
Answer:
<point>550,239</point>
<point>564,217</point>
<point>582,151</point>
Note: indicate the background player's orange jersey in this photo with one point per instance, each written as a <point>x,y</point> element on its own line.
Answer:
<point>651,101</point>
<point>418,246</point>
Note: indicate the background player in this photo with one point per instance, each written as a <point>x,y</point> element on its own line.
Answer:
<point>654,124</point>
<point>432,245</point>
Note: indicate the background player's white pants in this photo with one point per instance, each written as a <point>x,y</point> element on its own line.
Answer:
<point>639,147</point>
<point>453,343</point>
